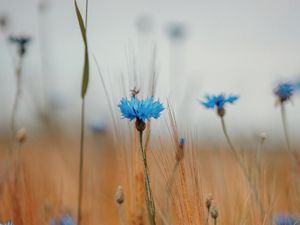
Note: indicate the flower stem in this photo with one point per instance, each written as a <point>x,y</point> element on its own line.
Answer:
<point>18,71</point>
<point>246,174</point>
<point>121,214</point>
<point>292,153</point>
<point>215,221</point>
<point>81,156</point>
<point>81,160</point>
<point>284,123</point>
<point>149,196</point>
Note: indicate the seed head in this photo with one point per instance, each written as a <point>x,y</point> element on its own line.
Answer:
<point>119,196</point>
<point>263,136</point>
<point>21,135</point>
<point>208,201</point>
<point>214,213</point>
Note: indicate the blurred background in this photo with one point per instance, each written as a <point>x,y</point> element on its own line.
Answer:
<point>199,47</point>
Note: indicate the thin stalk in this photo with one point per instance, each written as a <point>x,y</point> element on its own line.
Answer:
<point>149,196</point>
<point>121,214</point>
<point>169,189</point>
<point>207,218</point>
<point>81,160</point>
<point>284,123</point>
<point>246,174</point>
<point>287,137</point>
<point>215,221</point>
<point>81,157</point>
<point>18,71</point>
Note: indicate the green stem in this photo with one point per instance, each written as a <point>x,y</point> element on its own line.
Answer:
<point>292,153</point>
<point>284,123</point>
<point>149,196</point>
<point>81,157</point>
<point>81,160</point>
<point>246,174</point>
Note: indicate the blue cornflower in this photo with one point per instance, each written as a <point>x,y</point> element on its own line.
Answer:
<point>286,220</point>
<point>140,109</point>
<point>218,102</point>
<point>284,91</point>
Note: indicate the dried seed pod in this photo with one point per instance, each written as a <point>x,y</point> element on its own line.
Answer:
<point>119,196</point>
<point>21,135</point>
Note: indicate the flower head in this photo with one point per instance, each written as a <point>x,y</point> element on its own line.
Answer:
<point>180,149</point>
<point>22,42</point>
<point>286,220</point>
<point>181,141</point>
<point>66,219</point>
<point>284,91</point>
<point>218,102</point>
<point>8,223</point>
<point>140,109</point>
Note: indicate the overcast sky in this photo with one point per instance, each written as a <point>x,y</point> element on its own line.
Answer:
<point>242,47</point>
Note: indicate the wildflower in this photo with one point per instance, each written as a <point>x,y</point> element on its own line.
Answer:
<point>179,151</point>
<point>286,220</point>
<point>284,91</point>
<point>22,42</point>
<point>218,102</point>
<point>141,110</point>
<point>181,142</point>
<point>66,219</point>
<point>176,31</point>
<point>97,126</point>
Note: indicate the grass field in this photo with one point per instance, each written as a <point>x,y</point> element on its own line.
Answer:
<point>40,181</point>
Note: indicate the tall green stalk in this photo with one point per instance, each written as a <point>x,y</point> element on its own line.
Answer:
<point>149,196</point>
<point>85,78</point>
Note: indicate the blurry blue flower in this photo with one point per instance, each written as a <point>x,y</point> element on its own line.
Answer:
<point>66,219</point>
<point>218,101</point>
<point>8,223</point>
<point>141,110</point>
<point>284,91</point>
<point>97,126</point>
<point>22,42</point>
<point>181,141</point>
<point>286,220</point>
